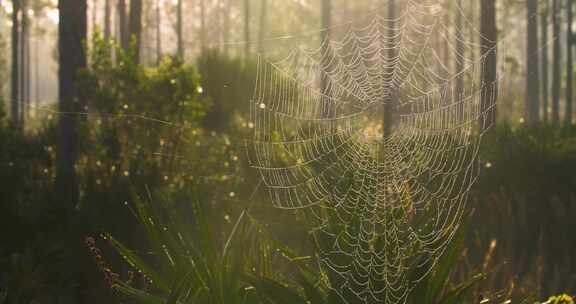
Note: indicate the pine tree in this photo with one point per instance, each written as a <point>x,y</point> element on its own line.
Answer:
<point>107,20</point>
<point>122,25</point>
<point>488,46</point>
<point>179,35</point>
<point>72,30</point>
<point>569,61</point>
<point>389,104</point>
<point>545,59</point>
<point>158,33</point>
<point>532,59</point>
<point>15,81</point>
<point>135,34</point>
<point>556,68</point>
<point>460,62</point>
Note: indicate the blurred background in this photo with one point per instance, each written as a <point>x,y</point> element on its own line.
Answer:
<point>103,102</point>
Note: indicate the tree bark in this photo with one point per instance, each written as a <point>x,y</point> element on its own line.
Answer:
<point>532,60</point>
<point>107,23</point>
<point>94,15</point>
<point>570,62</point>
<point>136,27</point>
<point>556,68</point>
<point>24,64</point>
<point>179,36</point>
<point>72,31</point>
<point>203,24</point>
<point>261,34</point>
<point>15,81</point>
<point>545,60</point>
<point>226,25</point>
<point>325,34</point>
<point>247,46</point>
<point>158,33</point>
<point>36,67</point>
<point>391,100</point>
<point>122,26</point>
<point>488,46</point>
<point>460,63</point>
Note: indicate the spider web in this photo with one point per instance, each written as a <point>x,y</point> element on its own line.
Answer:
<point>382,208</point>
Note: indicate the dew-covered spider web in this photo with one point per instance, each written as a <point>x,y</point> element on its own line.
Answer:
<point>382,208</point>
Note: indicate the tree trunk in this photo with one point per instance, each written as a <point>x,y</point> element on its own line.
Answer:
<point>391,100</point>
<point>473,30</point>
<point>488,46</point>
<point>15,84</point>
<point>556,68</point>
<point>179,36</point>
<point>460,64</point>
<point>158,33</point>
<point>545,61</point>
<point>107,16</point>
<point>36,67</point>
<point>72,31</point>
<point>25,64</point>
<point>326,10</point>
<point>203,24</point>
<point>570,62</point>
<point>247,28</point>
<point>226,25</point>
<point>532,60</point>
<point>136,27</point>
<point>122,26</point>
<point>261,34</point>
<point>94,15</point>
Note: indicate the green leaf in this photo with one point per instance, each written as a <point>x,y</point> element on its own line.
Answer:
<point>135,261</point>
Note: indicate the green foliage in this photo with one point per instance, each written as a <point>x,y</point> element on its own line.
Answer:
<point>437,287</point>
<point>525,199</point>
<point>145,128</point>
<point>189,266</point>
<point>229,84</point>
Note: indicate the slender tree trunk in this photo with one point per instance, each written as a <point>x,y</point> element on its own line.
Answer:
<point>325,34</point>
<point>446,45</point>
<point>545,61</point>
<point>247,46</point>
<point>532,60</point>
<point>158,33</point>
<point>488,46</point>
<point>569,62</point>
<point>22,63</point>
<point>72,31</point>
<point>179,33</point>
<point>556,68</point>
<point>460,63</point>
<point>261,34</point>
<point>36,68</point>
<point>24,60</point>
<point>122,26</point>
<point>107,21</point>
<point>473,30</point>
<point>15,81</point>
<point>226,24</point>
<point>203,25</point>
<point>136,27</point>
<point>94,15</point>
<point>389,103</point>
